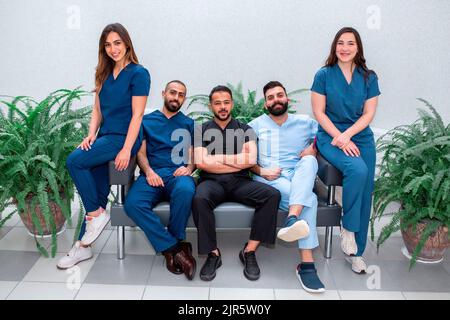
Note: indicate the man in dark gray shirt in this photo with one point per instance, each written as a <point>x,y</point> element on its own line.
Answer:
<point>225,149</point>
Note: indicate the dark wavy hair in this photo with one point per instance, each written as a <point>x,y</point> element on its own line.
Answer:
<point>105,64</point>
<point>359,59</point>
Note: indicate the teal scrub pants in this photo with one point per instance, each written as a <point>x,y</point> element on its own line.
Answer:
<point>358,183</point>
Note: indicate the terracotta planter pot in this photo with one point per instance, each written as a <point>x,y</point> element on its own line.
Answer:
<point>435,246</point>
<point>55,211</point>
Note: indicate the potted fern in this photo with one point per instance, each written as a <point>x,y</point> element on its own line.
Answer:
<point>35,140</point>
<point>415,172</point>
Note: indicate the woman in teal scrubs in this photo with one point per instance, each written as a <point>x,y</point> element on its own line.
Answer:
<point>344,99</point>
<point>121,90</point>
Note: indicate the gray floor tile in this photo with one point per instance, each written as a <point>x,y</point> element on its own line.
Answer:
<point>176,293</point>
<point>427,295</point>
<point>133,270</point>
<point>16,264</point>
<point>422,277</point>
<point>346,279</point>
<point>4,230</point>
<point>446,266</point>
<point>160,276</point>
<point>389,250</point>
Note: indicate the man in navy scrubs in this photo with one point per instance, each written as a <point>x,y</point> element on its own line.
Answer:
<point>166,167</point>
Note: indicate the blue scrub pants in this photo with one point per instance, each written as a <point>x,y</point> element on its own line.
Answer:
<point>296,188</point>
<point>359,173</point>
<point>142,198</point>
<point>89,171</point>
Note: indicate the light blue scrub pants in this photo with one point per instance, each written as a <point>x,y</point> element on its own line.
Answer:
<point>358,183</point>
<point>296,188</point>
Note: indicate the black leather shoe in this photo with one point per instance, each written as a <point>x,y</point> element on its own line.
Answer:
<point>212,263</point>
<point>251,268</point>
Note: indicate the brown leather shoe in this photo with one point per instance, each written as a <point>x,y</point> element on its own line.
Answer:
<point>186,261</point>
<point>186,247</point>
<point>171,265</point>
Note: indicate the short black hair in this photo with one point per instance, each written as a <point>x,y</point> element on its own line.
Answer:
<point>271,85</point>
<point>219,88</point>
<point>175,81</point>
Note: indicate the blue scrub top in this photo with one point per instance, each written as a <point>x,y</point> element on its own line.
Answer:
<point>115,98</point>
<point>345,102</point>
<point>167,141</point>
<point>280,146</point>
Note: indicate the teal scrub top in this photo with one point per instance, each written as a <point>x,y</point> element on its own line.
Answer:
<point>115,98</point>
<point>345,102</point>
<point>168,141</point>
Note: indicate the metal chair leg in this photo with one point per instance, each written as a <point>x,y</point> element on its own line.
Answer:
<point>120,242</point>
<point>328,242</point>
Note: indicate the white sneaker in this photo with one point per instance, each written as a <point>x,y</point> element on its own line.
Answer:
<point>296,231</point>
<point>358,264</point>
<point>94,227</point>
<point>75,255</point>
<point>348,243</point>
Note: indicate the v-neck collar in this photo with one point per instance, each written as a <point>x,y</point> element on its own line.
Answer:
<point>228,124</point>
<point>165,117</point>
<point>343,75</point>
<point>117,77</point>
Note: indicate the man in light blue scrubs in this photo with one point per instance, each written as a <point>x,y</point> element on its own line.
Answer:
<point>165,160</point>
<point>286,161</point>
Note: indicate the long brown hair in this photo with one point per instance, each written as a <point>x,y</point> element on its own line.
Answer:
<point>359,59</point>
<point>105,64</point>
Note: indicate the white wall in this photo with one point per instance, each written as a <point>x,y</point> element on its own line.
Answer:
<point>205,43</point>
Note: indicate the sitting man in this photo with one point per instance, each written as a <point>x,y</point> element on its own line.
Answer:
<point>224,149</point>
<point>286,161</point>
<point>166,175</point>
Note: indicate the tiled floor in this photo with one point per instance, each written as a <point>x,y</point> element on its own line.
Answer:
<point>24,274</point>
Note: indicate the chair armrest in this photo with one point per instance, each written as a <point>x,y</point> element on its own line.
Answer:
<point>328,174</point>
<point>122,177</point>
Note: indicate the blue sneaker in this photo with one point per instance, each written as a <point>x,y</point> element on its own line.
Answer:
<point>294,229</point>
<point>309,279</point>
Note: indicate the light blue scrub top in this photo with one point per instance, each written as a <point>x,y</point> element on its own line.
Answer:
<point>116,95</point>
<point>345,102</point>
<point>280,146</point>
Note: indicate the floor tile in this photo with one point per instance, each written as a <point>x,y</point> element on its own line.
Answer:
<point>160,276</point>
<point>133,270</point>
<point>43,291</point>
<point>378,276</point>
<point>18,239</point>
<point>446,266</point>
<point>176,293</point>
<point>389,250</point>
<point>16,264</point>
<point>65,241</point>
<point>6,287</point>
<point>135,243</point>
<point>426,295</point>
<point>4,230</point>
<point>45,270</point>
<point>371,295</point>
<point>300,294</point>
<point>422,277</point>
<point>110,292</point>
<point>241,294</point>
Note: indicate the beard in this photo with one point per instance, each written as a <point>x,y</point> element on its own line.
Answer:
<point>172,106</point>
<point>220,117</point>
<point>276,110</point>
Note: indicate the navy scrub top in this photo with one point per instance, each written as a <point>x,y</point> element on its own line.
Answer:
<point>167,141</point>
<point>344,101</point>
<point>115,98</point>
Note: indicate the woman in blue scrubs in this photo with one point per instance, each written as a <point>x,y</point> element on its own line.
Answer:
<point>344,99</point>
<point>121,90</point>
